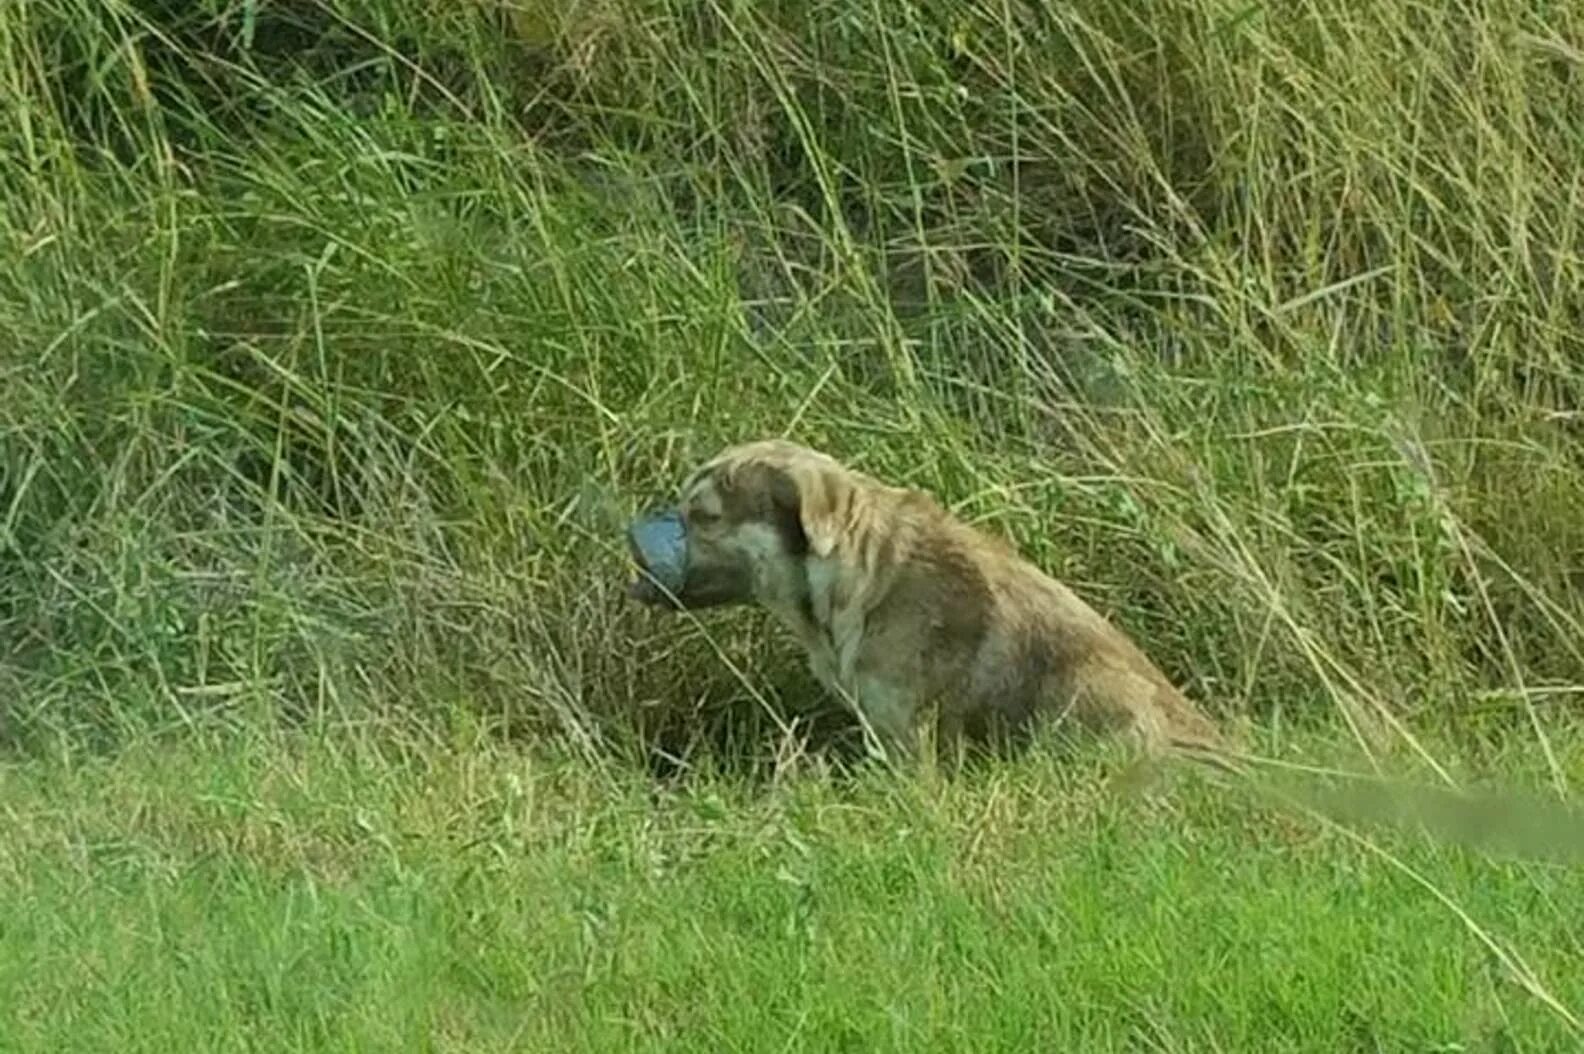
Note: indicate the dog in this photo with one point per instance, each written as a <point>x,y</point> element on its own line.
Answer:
<point>905,611</point>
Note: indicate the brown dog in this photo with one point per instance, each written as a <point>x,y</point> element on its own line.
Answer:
<point>904,610</point>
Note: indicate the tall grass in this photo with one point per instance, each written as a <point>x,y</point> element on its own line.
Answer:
<point>339,338</point>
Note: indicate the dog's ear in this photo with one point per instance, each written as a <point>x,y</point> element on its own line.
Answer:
<point>817,497</point>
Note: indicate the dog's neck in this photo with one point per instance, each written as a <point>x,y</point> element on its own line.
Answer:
<point>819,610</point>
<point>799,601</point>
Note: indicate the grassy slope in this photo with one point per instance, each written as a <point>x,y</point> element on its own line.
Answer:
<point>335,353</point>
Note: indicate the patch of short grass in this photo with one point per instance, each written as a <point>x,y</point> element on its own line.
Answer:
<point>311,894</point>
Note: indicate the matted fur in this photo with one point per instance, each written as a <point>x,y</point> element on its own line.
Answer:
<point>909,613</point>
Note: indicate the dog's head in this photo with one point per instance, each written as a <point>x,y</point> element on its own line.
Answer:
<point>742,528</point>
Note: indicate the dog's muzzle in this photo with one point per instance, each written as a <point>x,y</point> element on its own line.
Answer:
<point>659,546</point>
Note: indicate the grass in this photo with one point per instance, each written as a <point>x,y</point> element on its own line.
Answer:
<point>337,341</point>
<point>323,893</point>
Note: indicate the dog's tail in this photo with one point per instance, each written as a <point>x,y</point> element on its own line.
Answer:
<point>1201,742</point>
<point>1220,756</point>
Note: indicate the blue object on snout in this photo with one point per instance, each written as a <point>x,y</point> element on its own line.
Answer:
<point>659,544</point>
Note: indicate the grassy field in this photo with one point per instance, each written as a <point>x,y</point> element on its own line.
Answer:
<point>338,340</point>
<point>297,894</point>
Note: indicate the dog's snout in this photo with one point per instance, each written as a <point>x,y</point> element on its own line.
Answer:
<point>658,542</point>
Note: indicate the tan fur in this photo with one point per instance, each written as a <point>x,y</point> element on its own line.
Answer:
<point>907,612</point>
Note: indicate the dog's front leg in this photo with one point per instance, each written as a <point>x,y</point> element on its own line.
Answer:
<point>889,712</point>
<point>822,664</point>
<point>887,709</point>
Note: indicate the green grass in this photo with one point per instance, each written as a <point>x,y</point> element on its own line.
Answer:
<point>338,340</point>
<point>294,895</point>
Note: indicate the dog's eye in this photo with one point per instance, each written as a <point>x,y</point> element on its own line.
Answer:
<point>702,517</point>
